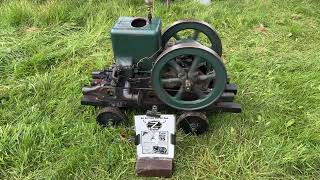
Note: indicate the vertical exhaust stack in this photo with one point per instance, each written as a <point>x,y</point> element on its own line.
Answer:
<point>150,7</point>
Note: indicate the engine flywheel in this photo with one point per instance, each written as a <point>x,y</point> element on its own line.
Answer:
<point>189,76</point>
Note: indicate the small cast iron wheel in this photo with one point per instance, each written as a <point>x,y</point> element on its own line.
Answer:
<point>193,123</point>
<point>194,30</point>
<point>188,76</point>
<point>111,116</point>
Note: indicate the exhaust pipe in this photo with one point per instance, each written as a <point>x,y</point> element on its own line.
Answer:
<point>126,92</point>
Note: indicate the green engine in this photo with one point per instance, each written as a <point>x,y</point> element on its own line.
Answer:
<point>135,40</point>
<point>180,68</point>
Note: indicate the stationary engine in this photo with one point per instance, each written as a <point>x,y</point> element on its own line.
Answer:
<point>179,69</point>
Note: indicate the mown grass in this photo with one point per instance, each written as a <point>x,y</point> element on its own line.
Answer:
<point>48,49</point>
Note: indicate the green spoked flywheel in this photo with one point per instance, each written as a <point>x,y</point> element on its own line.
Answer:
<point>189,76</point>
<point>195,30</point>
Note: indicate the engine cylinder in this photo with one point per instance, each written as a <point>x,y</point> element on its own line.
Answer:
<point>134,38</point>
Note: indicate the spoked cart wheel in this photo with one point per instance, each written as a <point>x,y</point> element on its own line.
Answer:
<point>193,123</point>
<point>192,30</point>
<point>111,116</point>
<point>189,76</point>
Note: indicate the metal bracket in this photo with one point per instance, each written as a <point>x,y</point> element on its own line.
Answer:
<point>154,112</point>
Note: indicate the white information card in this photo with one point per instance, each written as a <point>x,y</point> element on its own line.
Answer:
<point>155,135</point>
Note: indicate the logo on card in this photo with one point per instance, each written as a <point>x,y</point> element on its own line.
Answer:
<point>154,125</point>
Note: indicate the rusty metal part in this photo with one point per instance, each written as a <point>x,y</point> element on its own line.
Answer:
<point>193,122</point>
<point>107,96</point>
<point>127,94</point>
<point>111,116</point>
<point>153,112</point>
<point>149,9</point>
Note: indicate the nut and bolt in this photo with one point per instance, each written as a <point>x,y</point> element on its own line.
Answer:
<point>188,85</point>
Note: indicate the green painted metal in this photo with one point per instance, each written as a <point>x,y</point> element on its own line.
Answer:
<point>135,39</point>
<point>198,27</point>
<point>200,54</point>
<point>185,75</point>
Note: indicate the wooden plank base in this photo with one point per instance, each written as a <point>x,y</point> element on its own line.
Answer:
<point>154,167</point>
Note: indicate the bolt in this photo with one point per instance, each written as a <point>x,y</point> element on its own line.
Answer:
<point>188,85</point>
<point>110,93</point>
<point>194,127</point>
<point>113,83</point>
<point>180,75</point>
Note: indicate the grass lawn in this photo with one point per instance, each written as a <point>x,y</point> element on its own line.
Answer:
<point>48,49</point>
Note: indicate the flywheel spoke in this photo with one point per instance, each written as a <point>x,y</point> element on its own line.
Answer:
<point>176,66</point>
<point>179,93</point>
<point>207,77</point>
<point>196,61</point>
<point>170,80</point>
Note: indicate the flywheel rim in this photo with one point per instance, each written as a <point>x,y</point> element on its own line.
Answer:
<point>199,50</point>
<point>196,25</point>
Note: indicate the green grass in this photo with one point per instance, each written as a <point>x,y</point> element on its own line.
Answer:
<point>48,49</point>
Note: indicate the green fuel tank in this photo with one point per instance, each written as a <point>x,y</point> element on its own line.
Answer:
<point>135,40</point>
